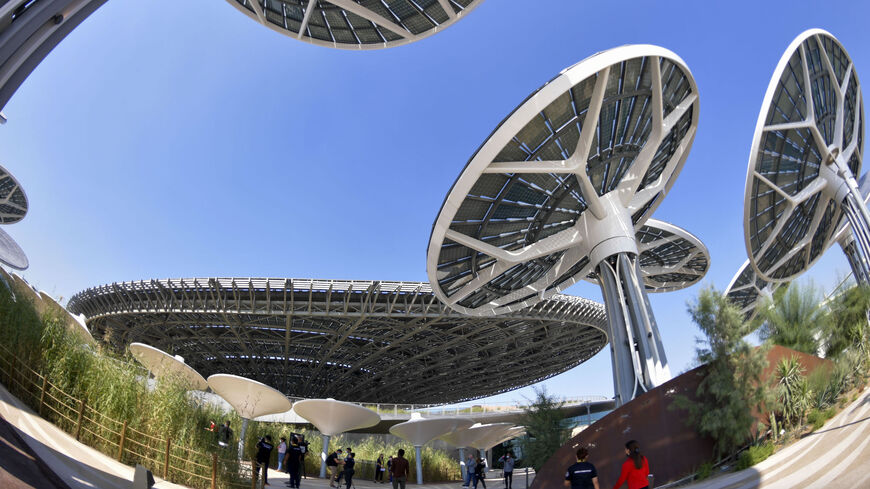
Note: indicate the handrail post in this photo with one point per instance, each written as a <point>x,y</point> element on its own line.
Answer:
<point>166,460</point>
<point>214,471</point>
<point>42,396</point>
<point>123,440</point>
<point>81,418</point>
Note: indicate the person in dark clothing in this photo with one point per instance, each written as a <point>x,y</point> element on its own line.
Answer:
<point>348,469</point>
<point>480,473</point>
<point>400,469</point>
<point>264,452</point>
<point>332,465</point>
<point>341,464</point>
<point>509,462</point>
<point>293,462</point>
<point>582,475</point>
<point>379,469</point>
<point>225,435</point>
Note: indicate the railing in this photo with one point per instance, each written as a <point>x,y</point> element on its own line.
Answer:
<point>401,410</point>
<point>172,462</point>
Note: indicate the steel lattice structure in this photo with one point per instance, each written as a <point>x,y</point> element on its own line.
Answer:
<point>368,341</point>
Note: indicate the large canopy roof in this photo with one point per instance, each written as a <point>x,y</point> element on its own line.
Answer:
<point>812,112</point>
<point>602,142</point>
<point>11,254</point>
<point>356,24</point>
<point>13,201</point>
<point>746,289</point>
<point>671,258</point>
<point>345,339</point>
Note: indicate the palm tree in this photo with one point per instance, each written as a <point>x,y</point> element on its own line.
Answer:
<point>794,319</point>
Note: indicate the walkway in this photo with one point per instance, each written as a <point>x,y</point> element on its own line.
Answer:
<point>835,457</point>
<point>78,465</point>
<point>493,481</point>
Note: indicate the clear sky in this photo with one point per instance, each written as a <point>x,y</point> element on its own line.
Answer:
<point>182,139</point>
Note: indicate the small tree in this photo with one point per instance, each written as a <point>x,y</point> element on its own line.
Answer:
<point>794,319</point>
<point>792,391</point>
<point>545,427</point>
<point>732,387</point>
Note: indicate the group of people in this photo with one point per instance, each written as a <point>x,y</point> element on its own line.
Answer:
<point>475,471</point>
<point>290,458</point>
<point>398,468</point>
<point>635,470</point>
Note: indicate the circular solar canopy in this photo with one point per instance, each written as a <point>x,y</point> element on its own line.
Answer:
<point>344,339</point>
<point>746,289</point>
<point>670,257</point>
<point>812,114</point>
<point>248,397</point>
<point>333,417</point>
<point>11,254</point>
<point>588,156</point>
<point>13,202</point>
<point>356,24</point>
<point>161,364</point>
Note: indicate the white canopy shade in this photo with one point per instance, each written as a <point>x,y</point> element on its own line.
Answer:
<point>491,433</point>
<point>161,363</point>
<point>248,397</point>
<point>333,417</point>
<point>419,431</point>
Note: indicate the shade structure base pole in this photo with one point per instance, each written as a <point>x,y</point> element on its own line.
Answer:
<point>637,353</point>
<point>462,468</point>
<point>418,450</point>
<point>323,454</point>
<point>242,434</point>
<point>859,257</point>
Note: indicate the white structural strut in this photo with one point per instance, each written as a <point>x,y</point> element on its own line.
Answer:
<point>806,153</point>
<point>333,417</point>
<point>160,363</point>
<point>249,398</point>
<point>563,191</point>
<point>846,239</point>
<point>350,24</point>
<point>419,431</point>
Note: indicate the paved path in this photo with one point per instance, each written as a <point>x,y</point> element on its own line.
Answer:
<point>835,457</point>
<point>493,481</point>
<point>78,465</point>
<point>20,468</point>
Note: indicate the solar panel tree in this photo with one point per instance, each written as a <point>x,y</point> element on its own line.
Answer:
<point>561,191</point>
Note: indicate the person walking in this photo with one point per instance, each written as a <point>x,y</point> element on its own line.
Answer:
<point>341,464</point>
<point>470,464</point>
<point>635,469</point>
<point>480,473</point>
<point>332,466</point>
<point>294,462</point>
<point>282,449</point>
<point>225,434</point>
<point>379,469</point>
<point>349,462</point>
<point>400,470</point>
<point>582,475</point>
<point>264,453</point>
<point>390,468</point>
<point>508,470</point>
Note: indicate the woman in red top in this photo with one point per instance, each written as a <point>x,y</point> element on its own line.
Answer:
<point>635,469</point>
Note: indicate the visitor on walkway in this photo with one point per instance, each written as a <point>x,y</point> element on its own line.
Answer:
<point>264,453</point>
<point>480,473</point>
<point>508,470</point>
<point>400,470</point>
<point>379,469</point>
<point>341,464</point>
<point>635,469</point>
<point>332,466</point>
<point>282,449</point>
<point>294,462</point>
<point>225,435</point>
<point>348,469</point>
<point>470,464</point>
<point>390,467</point>
<point>582,475</point>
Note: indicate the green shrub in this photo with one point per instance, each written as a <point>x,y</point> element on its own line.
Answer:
<point>704,471</point>
<point>755,454</point>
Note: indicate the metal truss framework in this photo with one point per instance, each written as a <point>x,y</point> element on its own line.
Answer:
<point>356,24</point>
<point>806,153</point>
<point>366,341</point>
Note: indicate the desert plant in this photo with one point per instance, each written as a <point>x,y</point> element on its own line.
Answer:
<point>794,318</point>
<point>754,454</point>
<point>546,429</point>
<point>704,471</point>
<point>792,391</point>
<point>848,328</point>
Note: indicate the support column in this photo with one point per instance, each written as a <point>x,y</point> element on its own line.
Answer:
<point>242,434</point>
<point>637,354</point>
<point>859,257</point>
<point>323,454</point>
<point>418,450</point>
<point>462,468</point>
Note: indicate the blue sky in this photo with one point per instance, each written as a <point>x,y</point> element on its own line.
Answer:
<point>180,139</point>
